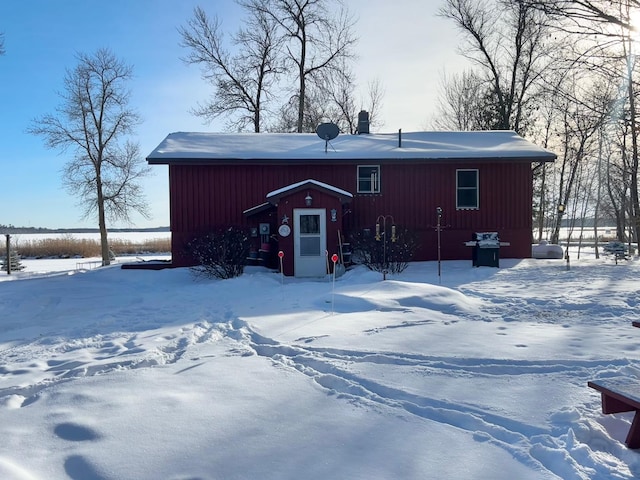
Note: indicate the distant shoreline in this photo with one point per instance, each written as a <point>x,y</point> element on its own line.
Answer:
<point>4,229</point>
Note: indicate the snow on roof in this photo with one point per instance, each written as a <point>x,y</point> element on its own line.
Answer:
<point>214,147</point>
<point>280,191</point>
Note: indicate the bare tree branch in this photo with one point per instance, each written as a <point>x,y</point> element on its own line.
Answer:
<point>243,80</point>
<point>317,41</point>
<point>507,44</point>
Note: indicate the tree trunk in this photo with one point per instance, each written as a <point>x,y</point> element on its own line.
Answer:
<point>635,200</point>
<point>302,94</point>
<point>542,207</point>
<point>596,213</point>
<point>102,224</point>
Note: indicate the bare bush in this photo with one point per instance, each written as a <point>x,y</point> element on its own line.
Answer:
<point>385,254</point>
<point>221,254</point>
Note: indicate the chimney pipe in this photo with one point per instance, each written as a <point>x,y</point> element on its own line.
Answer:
<point>363,122</point>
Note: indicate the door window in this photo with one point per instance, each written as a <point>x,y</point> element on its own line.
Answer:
<point>310,235</point>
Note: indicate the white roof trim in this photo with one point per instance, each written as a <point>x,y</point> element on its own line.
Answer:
<point>326,186</point>
<point>262,206</point>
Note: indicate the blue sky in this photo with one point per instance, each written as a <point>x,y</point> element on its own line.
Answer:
<point>401,43</point>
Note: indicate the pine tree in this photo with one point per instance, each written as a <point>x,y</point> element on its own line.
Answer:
<point>14,260</point>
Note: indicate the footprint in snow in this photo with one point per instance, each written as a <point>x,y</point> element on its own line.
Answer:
<point>75,433</point>
<point>79,468</point>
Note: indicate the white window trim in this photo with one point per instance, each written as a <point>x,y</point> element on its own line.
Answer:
<point>375,182</point>
<point>477,188</point>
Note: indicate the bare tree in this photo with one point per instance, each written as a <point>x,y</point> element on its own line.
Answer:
<point>541,172</point>
<point>618,179</point>
<point>337,91</point>
<point>464,103</point>
<point>610,23</point>
<point>317,110</point>
<point>93,120</point>
<point>505,39</point>
<point>335,103</point>
<point>242,80</point>
<point>584,111</point>
<point>316,41</point>
<point>335,100</point>
<point>373,102</point>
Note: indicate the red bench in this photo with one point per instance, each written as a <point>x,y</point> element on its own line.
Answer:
<point>621,395</point>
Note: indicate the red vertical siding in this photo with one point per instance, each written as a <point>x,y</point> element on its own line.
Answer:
<point>204,196</point>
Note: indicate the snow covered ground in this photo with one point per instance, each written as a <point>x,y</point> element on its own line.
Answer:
<point>482,374</point>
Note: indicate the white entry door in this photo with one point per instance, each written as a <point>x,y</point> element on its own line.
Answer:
<point>310,242</point>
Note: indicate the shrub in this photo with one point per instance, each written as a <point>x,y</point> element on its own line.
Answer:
<point>221,253</point>
<point>384,255</point>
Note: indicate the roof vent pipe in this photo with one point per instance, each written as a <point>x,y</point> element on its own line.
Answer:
<point>363,122</point>
<point>399,138</point>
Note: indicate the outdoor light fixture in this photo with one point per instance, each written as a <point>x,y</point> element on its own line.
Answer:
<point>393,233</point>
<point>307,200</point>
<point>561,208</point>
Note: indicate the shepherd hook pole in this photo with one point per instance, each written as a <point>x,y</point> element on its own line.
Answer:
<point>439,213</point>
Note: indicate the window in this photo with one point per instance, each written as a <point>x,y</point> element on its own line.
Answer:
<point>467,189</point>
<point>368,179</point>
<point>310,235</point>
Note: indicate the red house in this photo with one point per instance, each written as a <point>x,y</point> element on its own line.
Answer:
<point>302,195</point>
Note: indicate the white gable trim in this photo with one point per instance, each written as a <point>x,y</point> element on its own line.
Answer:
<point>325,186</point>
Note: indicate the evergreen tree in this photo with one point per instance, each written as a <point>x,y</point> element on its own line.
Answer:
<point>14,262</point>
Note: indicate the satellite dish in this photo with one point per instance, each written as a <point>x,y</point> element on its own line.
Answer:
<point>327,131</point>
